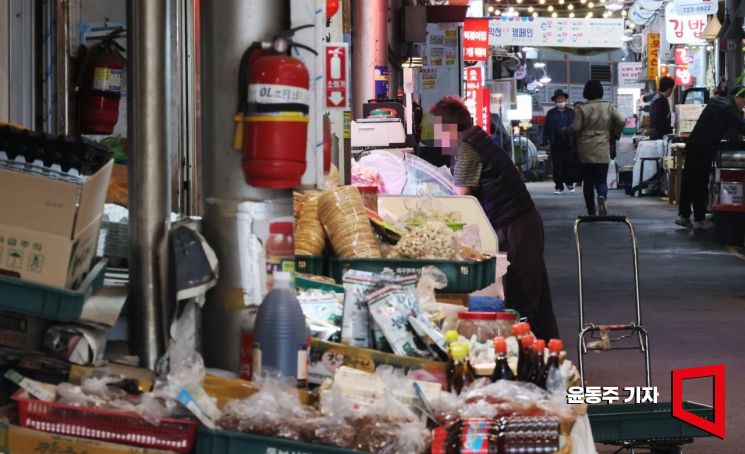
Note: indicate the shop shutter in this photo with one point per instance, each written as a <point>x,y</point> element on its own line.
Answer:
<point>601,73</point>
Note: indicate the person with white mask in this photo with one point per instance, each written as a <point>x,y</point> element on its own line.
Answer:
<point>563,151</point>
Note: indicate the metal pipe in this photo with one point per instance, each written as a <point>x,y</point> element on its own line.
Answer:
<point>370,48</point>
<point>148,169</point>
<point>63,67</point>
<point>228,28</point>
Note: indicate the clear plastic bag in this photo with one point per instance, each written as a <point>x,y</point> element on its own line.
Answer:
<point>432,240</point>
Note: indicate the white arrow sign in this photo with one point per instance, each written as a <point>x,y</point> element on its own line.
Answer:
<point>336,98</point>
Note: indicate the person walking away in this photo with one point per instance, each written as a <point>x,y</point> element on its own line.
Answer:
<point>596,124</point>
<point>721,114</point>
<point>485,170</point>
<point>558,118</point>
<point>659,110</point>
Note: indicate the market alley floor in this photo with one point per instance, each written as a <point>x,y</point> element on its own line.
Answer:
<point>692,297</point>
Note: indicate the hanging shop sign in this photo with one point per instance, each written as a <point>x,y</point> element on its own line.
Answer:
<point>683,29</point>
<point>483,108</point>
<point>556,32</point>
<point>628,73</point>
<point>653,55</point>
<point>337,66</point>
<point>683,60</point>
<point>476,39</point>
<point>696,7</point>
<point>474,77</point>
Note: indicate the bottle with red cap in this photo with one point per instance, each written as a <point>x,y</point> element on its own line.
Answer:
<point>502,369</point>
<point>538,365</point>
<point>524,364</point>
<point>555,346</point>
<point>280,250</point>
<point>520,330</point>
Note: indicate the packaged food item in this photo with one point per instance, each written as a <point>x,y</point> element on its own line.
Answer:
<point>345,220</point>
<point>386,307</point>
<point>355,330</point>
<point>280,250</point>
<point>310,238</point>
<point>499,436</point>
<point>323,313</point>
<point>369,196</point>
<point>485,325</point>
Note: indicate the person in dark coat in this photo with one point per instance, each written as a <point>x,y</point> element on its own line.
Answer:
<point>659,110</point>
<point>485,170</point>
<point>720,114</point>
<point>558,118</point>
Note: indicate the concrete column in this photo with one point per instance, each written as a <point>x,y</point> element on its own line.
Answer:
<point>369,48</point>
<point>148,170</point>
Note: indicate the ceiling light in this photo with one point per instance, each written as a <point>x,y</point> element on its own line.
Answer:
<point>583,1</point>
<point>550,7</point>
<point>570,7</point>
<point>591,5</point>
<point>497,12</point>
<point>589,15</point>
<point>623,13</point>
<point>632,25</point>
<point>614,6</point>
<point>571,14</point>
<point>491,9</point>
<point>561,2</point>
<point>545,80</point>
<point>531,9</point>
<point>535,14</point>
<point>539,65</point>
<point>554,14</point>
<point>519,1</point>
<point>542,2</point>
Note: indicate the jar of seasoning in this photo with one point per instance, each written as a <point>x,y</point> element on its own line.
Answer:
<point>485,325</point>
<point>369,196</point>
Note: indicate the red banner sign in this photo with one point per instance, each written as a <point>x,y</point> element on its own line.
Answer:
<point>476,39</point>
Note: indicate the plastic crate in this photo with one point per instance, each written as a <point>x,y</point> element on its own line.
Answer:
<point>311,264</point>
<point>50,303</point>
<point>226,442</point>
<point>106,425</point>
<point>463,277</point>
<point>637,422</point>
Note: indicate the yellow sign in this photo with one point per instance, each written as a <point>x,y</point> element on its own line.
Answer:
<point>653,56</point>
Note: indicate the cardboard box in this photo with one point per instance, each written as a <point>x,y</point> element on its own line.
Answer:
<point>22,331</point>
<point>326,357</point>
<point>18,440</point>
<point>49,227</point>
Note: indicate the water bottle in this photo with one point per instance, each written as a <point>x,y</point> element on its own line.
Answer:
<point>280,334</point>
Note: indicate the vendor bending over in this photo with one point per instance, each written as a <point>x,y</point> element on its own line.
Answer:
<point>485,170</point>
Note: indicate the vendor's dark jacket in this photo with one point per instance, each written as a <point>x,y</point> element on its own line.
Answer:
<point>659,112</point>
<point>719,115</point>
<point>501,191</point>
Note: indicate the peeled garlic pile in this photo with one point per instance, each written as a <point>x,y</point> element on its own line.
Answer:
<point>433,240</point>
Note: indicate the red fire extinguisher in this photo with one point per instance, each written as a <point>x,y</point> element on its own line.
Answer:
<point>272,124</point>
<point>100,86</point>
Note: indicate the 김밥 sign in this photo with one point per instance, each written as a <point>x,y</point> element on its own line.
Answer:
<point>556,32</point>
<point>683,29</point>
<point>475,39</point>
<point>683,76</point>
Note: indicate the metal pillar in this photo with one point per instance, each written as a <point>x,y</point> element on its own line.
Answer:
<point>369,48</point>
<point>62,67</point>
<point>733,54</point>
<point>228,28</point>
<point>147,124</point>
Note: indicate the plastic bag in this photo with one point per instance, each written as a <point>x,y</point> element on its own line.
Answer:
<point>433,240</point>
<point>323,313</point>
<point>72,395</point>
<point>430,279</point>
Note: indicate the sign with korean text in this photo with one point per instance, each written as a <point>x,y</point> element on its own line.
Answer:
<point>653,55</point>
<point>474,82</point>
<point>683,60</point>
<point>556,32</point>
<point>628,73</point>
<point>483,110</point>
<point>683,29</point>
<point>476,39</point>
<point>696,7</point>
<point>336,57</point>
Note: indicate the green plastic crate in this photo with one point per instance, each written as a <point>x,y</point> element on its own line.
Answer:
<point>50,303</point>
<point>635,422</point>
<point>226,442</point>
<point>463,277</point>
<point>311,264</point>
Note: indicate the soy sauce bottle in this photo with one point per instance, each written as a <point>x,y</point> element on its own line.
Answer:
<point>502,369</point>
<point>462,375</point>
<point>555,346</point>
<point>538,364</point>
<point>524,362</point>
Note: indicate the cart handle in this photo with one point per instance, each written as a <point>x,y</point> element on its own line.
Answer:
<point>583,219</point>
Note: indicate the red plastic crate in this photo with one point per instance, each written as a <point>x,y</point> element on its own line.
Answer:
<point>106,425</point>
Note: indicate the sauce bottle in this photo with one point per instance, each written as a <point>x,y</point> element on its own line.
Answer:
<point>525,360</point>
<point>451,337</point>
<point>502,370</point>
<point>555,346</point>
<point>520,330</point>
<point>462,375</point>
<point>538,365</point>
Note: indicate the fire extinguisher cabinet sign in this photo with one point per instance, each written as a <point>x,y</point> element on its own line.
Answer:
<point>336,57</point>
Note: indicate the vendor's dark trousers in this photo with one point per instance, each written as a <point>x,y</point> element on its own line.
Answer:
<point>526,282</point>
<point>694,188</point>
<point>594,178</point>
<point>557,162</point>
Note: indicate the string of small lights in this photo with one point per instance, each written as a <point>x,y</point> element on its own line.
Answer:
<point>558,8</point>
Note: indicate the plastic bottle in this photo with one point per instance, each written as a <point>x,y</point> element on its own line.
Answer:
<point>555,346</point>
<point>538,365</point>
<point>280,250</point>
<point>502,370</point>
<point>519,330</point>
<point>525,360</point>
<point>281,335</point>
<point>451,336</point>
<point>462,376</point>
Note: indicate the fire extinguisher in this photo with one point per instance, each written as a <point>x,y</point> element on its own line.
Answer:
<point>272,119</point>
<point>99,86</point>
